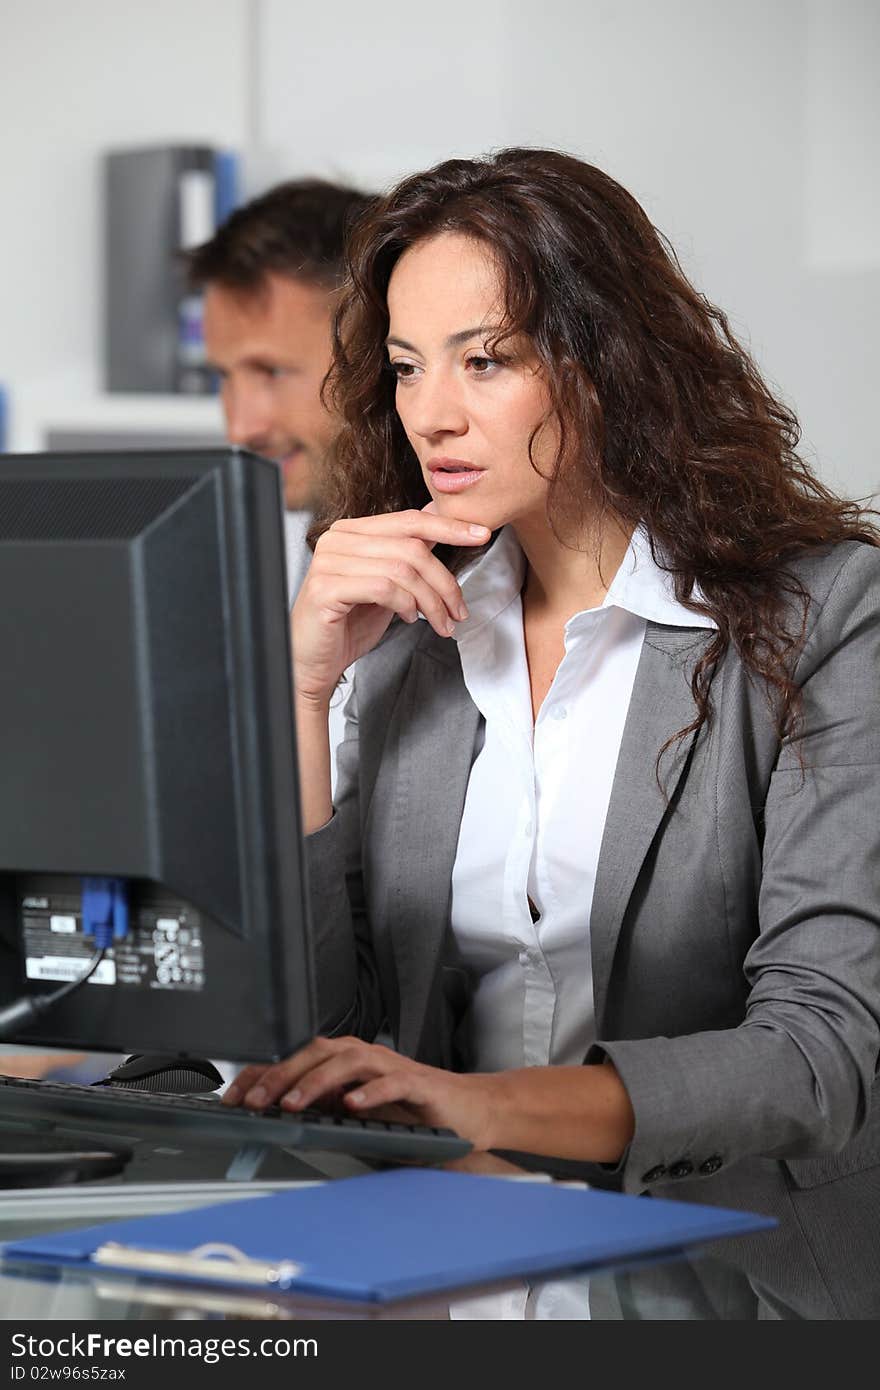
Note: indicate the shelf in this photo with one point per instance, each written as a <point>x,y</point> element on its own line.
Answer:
<point>71,412</point>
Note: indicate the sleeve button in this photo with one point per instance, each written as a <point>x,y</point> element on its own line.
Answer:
<point>654,1174</point>
<point>711,1164</point>
<point>682,1169</point>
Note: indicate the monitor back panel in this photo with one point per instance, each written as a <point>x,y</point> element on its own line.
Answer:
<point>146,732</point>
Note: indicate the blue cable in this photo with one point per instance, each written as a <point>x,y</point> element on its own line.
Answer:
<point>105,910</point>
<point>105,917</point>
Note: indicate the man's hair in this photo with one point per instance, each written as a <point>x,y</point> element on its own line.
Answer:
<point>298,228</point>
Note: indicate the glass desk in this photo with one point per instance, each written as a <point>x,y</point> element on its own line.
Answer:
<point>714,1285</point>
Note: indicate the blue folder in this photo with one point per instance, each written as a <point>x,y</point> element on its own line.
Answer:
<point>390,1235</point>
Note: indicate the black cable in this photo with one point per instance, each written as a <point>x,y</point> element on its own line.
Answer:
<point>23,1011</point>
<point>47,999</point>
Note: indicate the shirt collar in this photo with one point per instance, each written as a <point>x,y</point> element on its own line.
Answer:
<point>492,581</point>
<point>640,586</point>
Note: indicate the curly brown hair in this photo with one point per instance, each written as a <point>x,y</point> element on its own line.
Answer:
<point>664,418</point>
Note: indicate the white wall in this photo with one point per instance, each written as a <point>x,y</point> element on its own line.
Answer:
<point>748,131</point>
<point>77,79</point>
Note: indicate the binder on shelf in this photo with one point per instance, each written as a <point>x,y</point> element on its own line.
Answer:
<point>158,202</point>
<point>385,1236</point>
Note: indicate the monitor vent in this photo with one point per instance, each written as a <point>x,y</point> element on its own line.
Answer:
<point>34,509</point>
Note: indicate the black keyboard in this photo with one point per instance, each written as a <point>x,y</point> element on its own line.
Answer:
<point>206,1119</point>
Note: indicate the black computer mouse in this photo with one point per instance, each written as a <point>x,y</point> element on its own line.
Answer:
<point>159,1071</point>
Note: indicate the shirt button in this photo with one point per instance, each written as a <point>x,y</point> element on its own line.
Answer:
<point>560,713</point>
<point>682,1169</point>
<point>654,1174</point>
<point>527,830</point>
<point>711,1165</point>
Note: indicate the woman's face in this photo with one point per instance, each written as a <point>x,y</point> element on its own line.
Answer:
<point>468,416</point>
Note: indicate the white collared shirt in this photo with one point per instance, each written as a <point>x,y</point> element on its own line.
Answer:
<point>296,552</point>
<point>537,801</point>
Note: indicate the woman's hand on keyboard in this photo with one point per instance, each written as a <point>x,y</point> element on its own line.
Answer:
<point>374,1081</point>
<point>581,1112</point>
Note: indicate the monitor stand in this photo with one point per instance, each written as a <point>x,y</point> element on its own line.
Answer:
<point>246,1163</point>
<point>270,1161</point>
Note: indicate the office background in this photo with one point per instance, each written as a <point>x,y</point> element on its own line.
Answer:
<point>749,131</point>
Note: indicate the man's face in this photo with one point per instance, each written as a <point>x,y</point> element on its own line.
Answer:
<point>271,348</point>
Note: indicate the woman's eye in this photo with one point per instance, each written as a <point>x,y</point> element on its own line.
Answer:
<point>482,366</point>
<point>404,371</point>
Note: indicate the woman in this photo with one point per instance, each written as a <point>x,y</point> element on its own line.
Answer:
<point>609,793</point>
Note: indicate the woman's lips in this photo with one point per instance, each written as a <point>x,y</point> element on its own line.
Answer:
<point>454,477</point>
<point>290,460</point>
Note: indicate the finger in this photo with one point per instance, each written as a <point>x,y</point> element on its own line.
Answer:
<point>440,609</point>
<point>340,593</point>
<point>424,525</point>
<point>270,1081</point>
<point>246,1078</point>
<point>397,557</point>
<point>403,1085</point>
<point>332,1076</point>
<point>275,1080</point>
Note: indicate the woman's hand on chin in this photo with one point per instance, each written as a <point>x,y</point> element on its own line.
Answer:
<point>368,1079</point>
<point>363,572</point>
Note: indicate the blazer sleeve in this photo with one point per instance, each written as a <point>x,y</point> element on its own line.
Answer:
<point>794,1079</point>
<point>346,978</point>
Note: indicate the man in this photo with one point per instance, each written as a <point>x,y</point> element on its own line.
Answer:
<point>270,277</point>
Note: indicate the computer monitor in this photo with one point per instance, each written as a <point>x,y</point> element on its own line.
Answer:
<point>146,734</point>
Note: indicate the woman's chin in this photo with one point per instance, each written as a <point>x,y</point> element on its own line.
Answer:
<point>471,510</point>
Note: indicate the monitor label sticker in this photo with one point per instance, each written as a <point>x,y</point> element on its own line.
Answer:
<point>68,968</point>
<point>163,950</point>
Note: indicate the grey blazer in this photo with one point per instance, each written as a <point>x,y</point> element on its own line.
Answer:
<point>735,927</point>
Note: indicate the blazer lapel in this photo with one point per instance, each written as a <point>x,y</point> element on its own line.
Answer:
<point>661,704</point>
<point>436,725</point>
